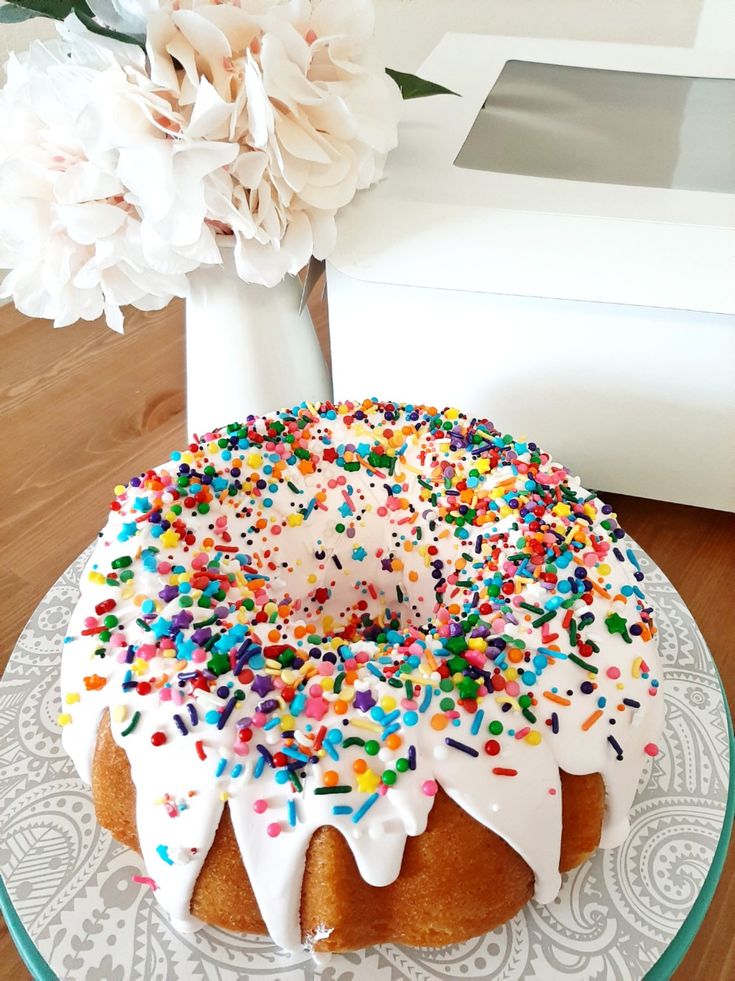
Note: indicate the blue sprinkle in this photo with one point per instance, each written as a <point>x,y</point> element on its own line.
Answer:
<point>236,770</point>
<point>377,672</point>
<point>163,853</point>
<point>477,721</point>
<point>427,699</point>
<point>259,767</point>
<point>362,811</point>
<point>292,812</point>
<point>330,749</point>
<point>341,809</point>
<point>294,754</point>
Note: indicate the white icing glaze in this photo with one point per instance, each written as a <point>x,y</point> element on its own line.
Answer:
<point>200,766</point>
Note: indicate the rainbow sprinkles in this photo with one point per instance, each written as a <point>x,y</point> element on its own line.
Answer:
<point>321,616</point>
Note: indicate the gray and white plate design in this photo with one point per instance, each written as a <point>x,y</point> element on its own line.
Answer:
<point>72,887</point>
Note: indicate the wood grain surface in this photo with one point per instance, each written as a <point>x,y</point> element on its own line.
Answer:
<point>83,409</point>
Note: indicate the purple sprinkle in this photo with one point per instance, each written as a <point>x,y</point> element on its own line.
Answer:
<point>616,746</point>
<point>455,744</point>
<point>269,705</point>
<point>180,725</point>
<point>632,703</point>
<point>412,757</point>
<point>226,712</point>
<point>554,722</point>
<point>193,714</point>
<point>265,753</point>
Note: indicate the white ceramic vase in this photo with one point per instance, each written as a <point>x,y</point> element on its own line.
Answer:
<point>248,349</point>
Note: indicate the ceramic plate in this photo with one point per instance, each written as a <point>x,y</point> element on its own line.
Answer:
<point>76,913</point>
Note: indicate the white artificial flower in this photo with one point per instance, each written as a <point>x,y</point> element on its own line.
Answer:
<point>71,231</point>
<point>291,84</point>
<point>256,120</point>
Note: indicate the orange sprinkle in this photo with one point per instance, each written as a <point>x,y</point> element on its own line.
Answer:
<point>439,722</point>
<point>556,698</point>
<point>590,721</point>
<point>331,778</point>
<point>340,706</point>
<point>94,682</point>
<point>393,741</point>
<point>359,766</point>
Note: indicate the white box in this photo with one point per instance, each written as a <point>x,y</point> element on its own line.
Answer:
<point>595,318</point>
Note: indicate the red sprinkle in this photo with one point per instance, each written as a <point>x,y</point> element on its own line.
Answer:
<point>158,738</point>
<point>501,771</point>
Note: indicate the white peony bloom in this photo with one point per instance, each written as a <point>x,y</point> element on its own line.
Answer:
<point>291,84</point>
<point>255,120</point>
<point>71,231</point>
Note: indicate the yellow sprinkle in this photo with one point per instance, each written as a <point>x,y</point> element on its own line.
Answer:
<point>294,520</point>
<point>119,489</point>
<point>287,722</point>
<point>636,670</point>
<point>119,713</point>
<point>97,577</point>
<point>364,724</point>
<point>64,719</point>
<point>72,697</point>
<point>508,700</point>
<point>224,795</point>
<point>533,738</point>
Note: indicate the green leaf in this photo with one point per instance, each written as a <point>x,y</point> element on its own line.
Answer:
<point>10,14</point>
<point>413,87</point>
<point>96,28</point>
<point>54,9</point>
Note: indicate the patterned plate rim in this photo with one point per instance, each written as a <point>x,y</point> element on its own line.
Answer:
<point>670,959</point>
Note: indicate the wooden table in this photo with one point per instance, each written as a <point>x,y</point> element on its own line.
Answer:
<point>83,409</point>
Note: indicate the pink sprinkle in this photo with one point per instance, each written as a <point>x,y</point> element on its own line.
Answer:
<point>552,791</point>
<point>274,829</point>
<point>259,720</point>
<point>145,880</point>
<point>90,622</point>
<point>430,788</point>
<point>259,806</point>
<point>198,655</point>
<point>164,568</point>
<point>651,749</point>
<point>310,37</point>
<point>613,672</point>
<point>512,688</point>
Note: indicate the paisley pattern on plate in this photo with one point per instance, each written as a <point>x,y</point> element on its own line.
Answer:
<point>71,884</point>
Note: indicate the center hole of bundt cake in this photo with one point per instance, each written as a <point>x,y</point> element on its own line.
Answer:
<point>362,586</point>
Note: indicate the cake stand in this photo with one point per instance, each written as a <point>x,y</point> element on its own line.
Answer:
<point>73,910</point>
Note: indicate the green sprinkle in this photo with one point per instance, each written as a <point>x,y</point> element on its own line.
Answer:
<point>293,777</point>
<point>353,741</point>
<point>495,728</point>
<point>132,724</point>
<point>339,789</point>
<point>531,608</point>
<point>544,619</point>
<point>389,778</point>
<point>583,664</point>
<point>122,562</point>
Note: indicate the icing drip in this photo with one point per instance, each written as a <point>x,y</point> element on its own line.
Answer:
<point>318,617</point>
